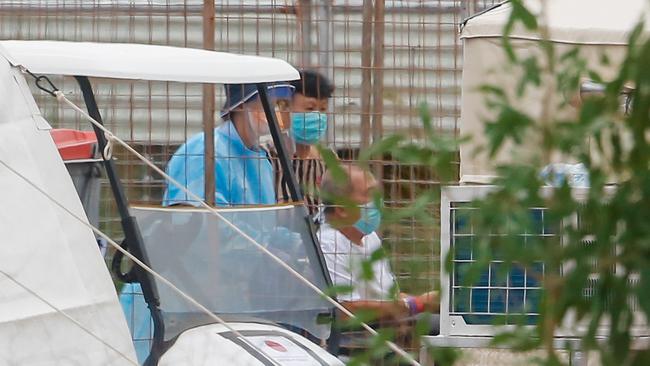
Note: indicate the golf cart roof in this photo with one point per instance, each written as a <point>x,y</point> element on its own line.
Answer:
<point>144,62</point>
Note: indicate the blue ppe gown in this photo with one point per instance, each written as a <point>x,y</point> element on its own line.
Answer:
<point>242,177</point>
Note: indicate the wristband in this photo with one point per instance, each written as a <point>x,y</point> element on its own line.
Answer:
<point>412,305</point>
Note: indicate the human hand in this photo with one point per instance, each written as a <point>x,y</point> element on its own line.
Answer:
<point>431,301</point>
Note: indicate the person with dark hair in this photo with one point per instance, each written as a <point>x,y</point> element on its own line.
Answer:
<point>309,122</point>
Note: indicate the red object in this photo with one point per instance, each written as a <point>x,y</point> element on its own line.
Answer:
<point>275,346</point>
<point>419,305</point>
<point>74,144</point>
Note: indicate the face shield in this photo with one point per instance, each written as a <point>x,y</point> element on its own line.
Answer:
<point>245,97</point>
<point>279,97</point>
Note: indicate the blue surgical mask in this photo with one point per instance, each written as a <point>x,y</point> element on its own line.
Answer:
<point>308,128</point>
<point>369,220</point>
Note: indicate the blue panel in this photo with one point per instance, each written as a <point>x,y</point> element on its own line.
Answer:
<point>462,221</point>
<point>461,276</point>
<point>460,273</point>
<point>462,248</point>
<point>534,274</point>
<point>537,218</point>
<point>531,319</point>
<point>480,300</point>
<point>502,287</point>
<point>497,301</point>
<point>484,279</point>
<point>499,277</point>
<point>517,277</point>
<point>533,298</point>
<point>515,301</point>
<point>479,319</point>
<point>461,300</point>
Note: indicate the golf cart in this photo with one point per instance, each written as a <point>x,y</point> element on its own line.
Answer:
<point>205,252</point>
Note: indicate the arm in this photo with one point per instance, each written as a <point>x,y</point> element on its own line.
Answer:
<point>384,310</point>
<point>393,310</point>
<point>430,301</point>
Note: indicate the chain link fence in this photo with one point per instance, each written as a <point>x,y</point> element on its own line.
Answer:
<point>386,59</point>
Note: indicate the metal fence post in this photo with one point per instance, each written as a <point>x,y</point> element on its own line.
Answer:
<point>378,80</point>
<point>305,21</point>
<point>209,105</point>
<point>366,72</point>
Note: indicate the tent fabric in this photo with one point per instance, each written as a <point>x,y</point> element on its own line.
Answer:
<point>569,21</point>
<point>485,62</point>
<point>48,251</point>
<point>145,62</point>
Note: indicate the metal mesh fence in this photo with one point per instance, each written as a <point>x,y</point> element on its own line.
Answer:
<point>385,58</point>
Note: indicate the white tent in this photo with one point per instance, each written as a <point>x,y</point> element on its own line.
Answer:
<point>598,27</point>
<point>50,264</point>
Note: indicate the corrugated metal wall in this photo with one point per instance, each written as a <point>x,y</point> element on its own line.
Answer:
<point>421,59</point>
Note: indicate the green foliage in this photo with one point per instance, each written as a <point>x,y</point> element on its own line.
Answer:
<point>611,244</point>
<point>519,15</point>
<point>596,260</point>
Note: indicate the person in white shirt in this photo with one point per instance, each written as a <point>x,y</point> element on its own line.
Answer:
<point>350,245</point>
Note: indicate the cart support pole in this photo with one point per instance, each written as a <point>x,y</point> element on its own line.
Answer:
<point>285,159</point>
<point>132,235</point>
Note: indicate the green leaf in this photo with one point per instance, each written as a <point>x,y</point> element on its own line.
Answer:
<point>336,290</point>
<point>532,76</point>
<point>642,291</point>
<point>520,12</point>
<point>378,254</point>
<point>367,272</point>
<point>509,125</point>
<point>378,148</point>
<point>332,163</point>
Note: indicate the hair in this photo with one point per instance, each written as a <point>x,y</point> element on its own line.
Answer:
<point>335,189</point>
<point>313,84</point>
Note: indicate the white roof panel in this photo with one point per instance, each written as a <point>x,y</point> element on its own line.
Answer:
<point>569,21</point>
<point>145,62</point>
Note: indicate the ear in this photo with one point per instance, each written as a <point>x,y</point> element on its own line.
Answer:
<point>340,213</point>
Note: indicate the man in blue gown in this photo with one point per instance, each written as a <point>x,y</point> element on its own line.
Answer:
<point>243,176</point>
<point>243,172</point>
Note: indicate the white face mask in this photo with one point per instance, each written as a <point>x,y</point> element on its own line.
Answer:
<point>258,129</point>
<point>288,142</point>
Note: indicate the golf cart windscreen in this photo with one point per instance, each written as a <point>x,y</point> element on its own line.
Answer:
<point>218,267</point>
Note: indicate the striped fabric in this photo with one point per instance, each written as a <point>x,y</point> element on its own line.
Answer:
<point>309,173</point>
